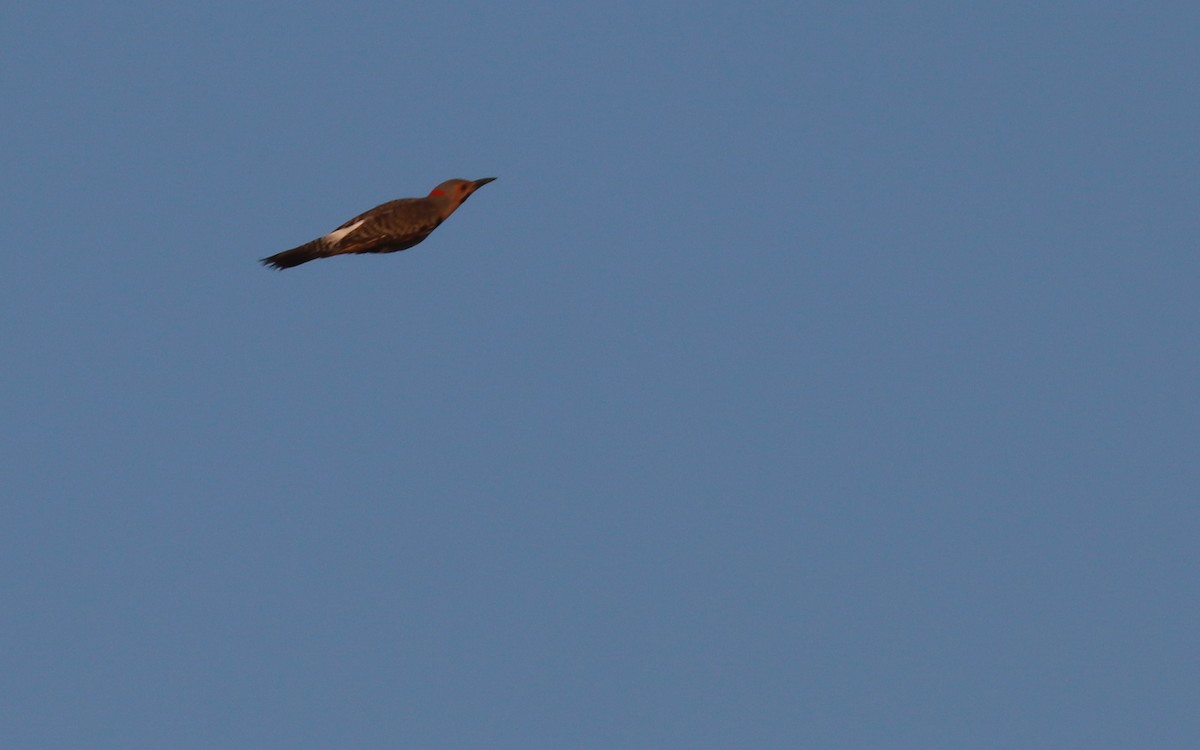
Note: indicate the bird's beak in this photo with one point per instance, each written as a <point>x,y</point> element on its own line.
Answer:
<point>480,183</point>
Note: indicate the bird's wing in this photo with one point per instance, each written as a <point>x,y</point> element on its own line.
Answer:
<point>386,228</point>
<point>383,209</point>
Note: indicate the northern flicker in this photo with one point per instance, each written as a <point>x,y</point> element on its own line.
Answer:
<point>395,225</point>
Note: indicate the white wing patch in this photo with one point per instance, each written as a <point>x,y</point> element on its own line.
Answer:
<point>336,235</point>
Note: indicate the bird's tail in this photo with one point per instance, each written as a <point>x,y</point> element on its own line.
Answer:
<point>297,255</point>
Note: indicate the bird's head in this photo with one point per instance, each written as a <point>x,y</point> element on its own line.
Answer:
<point>457,191</point>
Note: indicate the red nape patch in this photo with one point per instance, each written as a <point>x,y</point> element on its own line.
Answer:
<point>436,193</point>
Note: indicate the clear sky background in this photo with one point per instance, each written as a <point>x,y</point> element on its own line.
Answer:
<point>815,374</point>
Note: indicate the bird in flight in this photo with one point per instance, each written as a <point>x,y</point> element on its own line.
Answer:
<point>388,228</point>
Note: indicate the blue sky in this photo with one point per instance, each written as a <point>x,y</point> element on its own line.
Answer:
<point>814,375</point>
